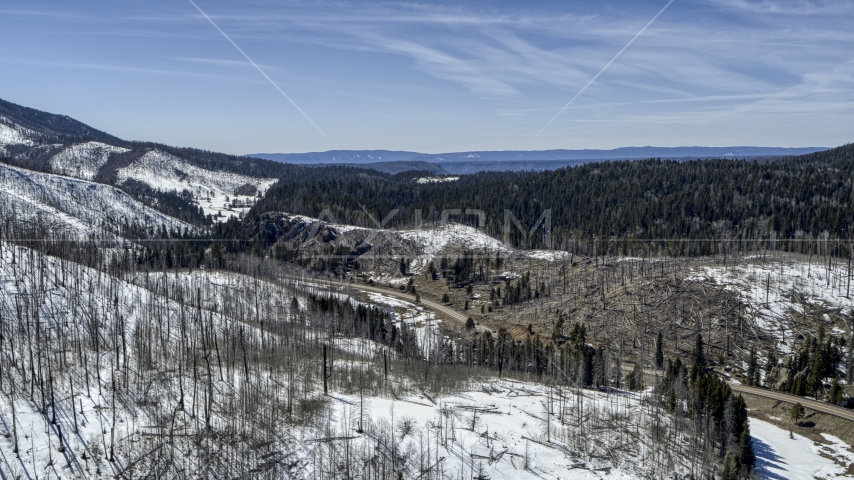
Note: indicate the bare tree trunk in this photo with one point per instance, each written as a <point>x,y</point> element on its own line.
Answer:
<point>325,376</point>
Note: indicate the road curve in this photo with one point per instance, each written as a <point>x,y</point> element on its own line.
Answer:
<point>774,395</point>
<point>411,299</point>
<point>436,307</point>
<point>785,397</point>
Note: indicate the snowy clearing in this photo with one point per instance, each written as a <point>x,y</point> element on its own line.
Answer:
<point>498,429</point>
<point>13,134</point>
<point>798,458</point>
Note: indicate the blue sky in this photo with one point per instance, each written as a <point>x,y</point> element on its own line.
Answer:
<point>438,76</point>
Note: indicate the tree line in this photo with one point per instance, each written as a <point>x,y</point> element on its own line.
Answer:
<point>699,207</point>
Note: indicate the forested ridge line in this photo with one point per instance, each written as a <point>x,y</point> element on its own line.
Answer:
<point>796,198</point>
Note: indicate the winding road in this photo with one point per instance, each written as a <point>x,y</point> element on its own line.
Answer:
<point>389,292</point>
<point>785,397</point>
<point>759,392</point>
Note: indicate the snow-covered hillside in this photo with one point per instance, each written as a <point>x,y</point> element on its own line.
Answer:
<point>111,400</point>
<point>432,241</point>
<point>13,134</point>
<point>227,193</point>
<point>97,425</point>
<point>69,303</point>
<point>82,209</point>
<point>83,160</point>
<point>218,373</point>
<point>219,193</point>
<point>779,292</point>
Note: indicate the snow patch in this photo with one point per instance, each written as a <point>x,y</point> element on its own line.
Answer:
<point>425,180</point>
<point>798,458</point>
<point>433,240</point>
<point>549,255</point>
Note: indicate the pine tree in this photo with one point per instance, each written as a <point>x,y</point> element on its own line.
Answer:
<point>748,455</point>
<point>814,382</point>
<point>752,369</point>
<point>835,392</point>
<point>470,324</point>
<point>557,332</point>
<point>659,351</point>
<point>698,359</point>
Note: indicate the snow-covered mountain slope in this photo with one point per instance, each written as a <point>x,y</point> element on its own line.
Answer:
<point>51,143</point>
<point>13,134</point>
<point>64,307</point>
<point>229,193</point>
<point>86,425</point>
<point>83,160</point>
<point>778,293</point>
<point>81,208</point>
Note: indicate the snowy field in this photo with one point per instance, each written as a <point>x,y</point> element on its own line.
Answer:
<point>798,458</point>
<point>504,429</point>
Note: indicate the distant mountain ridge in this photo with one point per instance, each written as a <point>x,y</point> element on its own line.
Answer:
<point>49,123</point>
<point>622,153</point>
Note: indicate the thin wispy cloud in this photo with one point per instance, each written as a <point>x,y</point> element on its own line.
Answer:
<point>790,7</point>
<point>221,62</point>
<point>600,72</point>
<point>123,69</point>
<point>262,72</point>
<point>445,66</point>
<point>464,76</point>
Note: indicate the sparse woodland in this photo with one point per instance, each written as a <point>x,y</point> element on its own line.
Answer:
<point>252,369</point>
